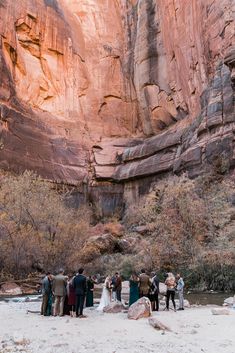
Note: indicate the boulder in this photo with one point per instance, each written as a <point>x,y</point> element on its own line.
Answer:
<point>98,245</point>
<point>113,308</point>
<point>10,289</point>
<point>220,311</point>
<point>141,308</point>
<point>153,321</point>
<point>162,288</point>
<point>229,301</point>
<point>124,246</point>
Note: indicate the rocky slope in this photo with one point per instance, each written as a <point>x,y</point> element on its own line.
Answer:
<point>101,93</point>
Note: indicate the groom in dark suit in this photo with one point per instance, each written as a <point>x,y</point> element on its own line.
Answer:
<point>80,286</point>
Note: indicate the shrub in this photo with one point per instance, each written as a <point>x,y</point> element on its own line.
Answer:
<point>37,230</point>
<point>190,219</point>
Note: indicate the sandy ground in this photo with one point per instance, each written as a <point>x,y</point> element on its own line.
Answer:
<point>194,330</point>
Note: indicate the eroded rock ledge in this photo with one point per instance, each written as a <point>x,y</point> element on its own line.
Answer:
<point>209,138</point>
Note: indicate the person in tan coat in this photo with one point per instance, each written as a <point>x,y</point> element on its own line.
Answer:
<point>170,293</point>
<point>144,284</point>
<point>59,290</point>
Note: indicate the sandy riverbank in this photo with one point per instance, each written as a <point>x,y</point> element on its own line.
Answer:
<point>195,330</point>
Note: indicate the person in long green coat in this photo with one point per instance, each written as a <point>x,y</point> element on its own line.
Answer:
<point>134,288</point>
<point>90,292</point>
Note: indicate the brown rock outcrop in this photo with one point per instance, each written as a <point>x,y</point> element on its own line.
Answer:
<point>94,92</point>
<point>97,245</point>
<point>140,309</point>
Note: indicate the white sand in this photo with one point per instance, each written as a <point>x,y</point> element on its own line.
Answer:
<point>195,330</point>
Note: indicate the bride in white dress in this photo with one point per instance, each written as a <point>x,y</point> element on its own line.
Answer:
<point>106,294</point>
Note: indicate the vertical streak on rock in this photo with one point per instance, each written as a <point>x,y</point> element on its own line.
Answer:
<point>151,41</point>
<point>141,64</point>
<point>130,27</point>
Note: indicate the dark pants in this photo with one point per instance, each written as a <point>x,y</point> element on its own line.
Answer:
<point>79,304</point>
<point>118,294</point>
<point>45,300</point>
<point>170,294</point>
<point>155,302</point>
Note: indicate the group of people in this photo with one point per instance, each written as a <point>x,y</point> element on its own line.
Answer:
<point>143,285</point>
<point>71,294</point>
<point>174,284</point>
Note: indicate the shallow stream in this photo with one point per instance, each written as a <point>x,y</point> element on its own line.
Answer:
<point>197,298</point>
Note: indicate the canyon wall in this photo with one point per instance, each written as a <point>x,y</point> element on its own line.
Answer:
<point>113,94</point>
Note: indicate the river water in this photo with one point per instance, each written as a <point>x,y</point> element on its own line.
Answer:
<point>205,298</point>
<point>194,298</point>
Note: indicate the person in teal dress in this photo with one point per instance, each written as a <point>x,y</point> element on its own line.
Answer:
<point>89,293</point>
<point>49,305</point>
<point>50,298</point>
<point>134,288</point>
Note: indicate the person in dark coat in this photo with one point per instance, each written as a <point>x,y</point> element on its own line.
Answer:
<point>46,294</point>
<point>113,286</point>
<point>66,300</point>
<point>90,291</point>
<point>80,286</point>
<point>66,305</point>
<point>118,286</point>
<point>155,292</point>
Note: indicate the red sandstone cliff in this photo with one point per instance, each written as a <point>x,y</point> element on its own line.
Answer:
<point>115,90</point>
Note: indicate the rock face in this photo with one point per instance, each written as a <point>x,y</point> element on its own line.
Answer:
<point>94,92</point>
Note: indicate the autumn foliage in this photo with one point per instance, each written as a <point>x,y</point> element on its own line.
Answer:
<point>180,225</point>
<point>38,231</point>
<point>190,228</point>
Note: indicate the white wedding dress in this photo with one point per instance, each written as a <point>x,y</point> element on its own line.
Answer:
<point>105,297</point>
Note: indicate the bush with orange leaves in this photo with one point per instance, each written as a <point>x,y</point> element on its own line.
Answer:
<point>37,230</point>
<point>190,220</point>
